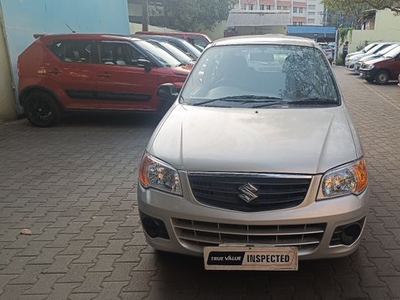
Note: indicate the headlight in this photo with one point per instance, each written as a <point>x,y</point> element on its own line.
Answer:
<point>348,179</point>
<point>154,173</point>
<point>369,67</point>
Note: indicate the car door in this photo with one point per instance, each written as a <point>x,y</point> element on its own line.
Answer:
<point>396,67</point>
<point>71,72</point>
<point>124,83</point>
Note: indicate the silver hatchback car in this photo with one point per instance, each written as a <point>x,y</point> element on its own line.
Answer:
<point>257,163</point>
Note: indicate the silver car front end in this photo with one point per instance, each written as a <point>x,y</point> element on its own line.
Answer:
<point>318,228</point>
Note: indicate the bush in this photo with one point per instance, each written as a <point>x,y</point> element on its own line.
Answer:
<point>339,60</point>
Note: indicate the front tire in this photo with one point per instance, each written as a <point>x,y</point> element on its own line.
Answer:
<point>382,77</point>
<point>41,109</point>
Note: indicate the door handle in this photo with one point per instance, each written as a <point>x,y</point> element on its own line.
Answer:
<point>104,75</point>
<point>54,71</point>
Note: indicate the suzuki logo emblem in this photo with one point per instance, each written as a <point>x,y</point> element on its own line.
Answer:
<point>249,192</point>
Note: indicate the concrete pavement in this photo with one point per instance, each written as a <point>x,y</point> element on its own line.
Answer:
<point>74,187</point>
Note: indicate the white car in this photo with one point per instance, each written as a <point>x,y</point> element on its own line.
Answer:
<point>352,61</point>
<point>328,50</point>
<point>255,166</point>
<point>362,51</point>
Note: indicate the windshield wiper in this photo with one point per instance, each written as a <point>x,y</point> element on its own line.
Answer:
<point>242,99</point>
<point>313,101</point>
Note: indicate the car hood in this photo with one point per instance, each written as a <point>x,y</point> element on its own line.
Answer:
<point>370,57</point>
<point>376,60</point>
<point>358,56</point>
<point>301,141</point>
<point>354,53</point>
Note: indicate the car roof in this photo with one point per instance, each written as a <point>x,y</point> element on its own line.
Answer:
<point>82,36</point>
<point>158,37</point>
<point>174,33</point>
<point>265,39</point>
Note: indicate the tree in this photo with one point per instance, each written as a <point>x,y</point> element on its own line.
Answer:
<point>350,6</point>
<point>192,15</point>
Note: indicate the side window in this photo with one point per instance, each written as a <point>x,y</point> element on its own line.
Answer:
<point>198,43</point>
<point>73,51</point>
<point>107,52</point>
<point>134,55</point>
<point>177,45</point>
<point>121,54</point>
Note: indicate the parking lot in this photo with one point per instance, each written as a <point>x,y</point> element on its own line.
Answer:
<point>74,188</point>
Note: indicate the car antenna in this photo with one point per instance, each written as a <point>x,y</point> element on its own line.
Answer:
<point>73,31</point>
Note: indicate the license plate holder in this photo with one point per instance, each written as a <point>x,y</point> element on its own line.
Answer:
<point>251,258</point>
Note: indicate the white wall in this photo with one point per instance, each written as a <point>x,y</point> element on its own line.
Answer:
<point>7,103</point>
<point>387,29</point>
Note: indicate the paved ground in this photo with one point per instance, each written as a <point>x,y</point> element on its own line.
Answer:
<point>74,187</point>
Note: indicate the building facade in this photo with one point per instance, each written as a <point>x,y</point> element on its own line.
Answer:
<point>302,12</point>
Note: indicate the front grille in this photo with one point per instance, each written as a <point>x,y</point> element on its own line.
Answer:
<point>305,237</point>
<point>273,192</point>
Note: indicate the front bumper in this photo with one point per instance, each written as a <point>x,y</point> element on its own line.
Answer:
<point>350,66</point>
<point>187,226</point>
<point>368,73</point>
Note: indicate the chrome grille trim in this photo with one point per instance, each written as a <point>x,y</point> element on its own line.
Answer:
<point>195,233</point>
<point>254,175</point>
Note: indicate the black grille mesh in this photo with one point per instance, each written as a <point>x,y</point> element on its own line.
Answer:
<point>272,192</point>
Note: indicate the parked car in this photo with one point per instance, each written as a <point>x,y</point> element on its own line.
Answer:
<point>255,166</point>
<point>382,69</point>
<point>181,44</point>
<point>93,72</point>
<point>173,50</point>
<point>350,63</point>
<point>362,51</point>
<point>199,40</point>
<point>380,53</point>
<point>328,51</point>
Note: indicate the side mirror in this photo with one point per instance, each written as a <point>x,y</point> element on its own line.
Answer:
<point>144,63</point>
<point>167,91</point>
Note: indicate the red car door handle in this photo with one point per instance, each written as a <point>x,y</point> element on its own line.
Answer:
<point>104,75</point>
<point>54,71</point>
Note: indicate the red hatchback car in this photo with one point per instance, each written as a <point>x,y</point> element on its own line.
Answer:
<point>93,72</point>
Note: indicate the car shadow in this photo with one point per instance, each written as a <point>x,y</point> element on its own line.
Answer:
<point>182,264</point>
<point>108,119</point>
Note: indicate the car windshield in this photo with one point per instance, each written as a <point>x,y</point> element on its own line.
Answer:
<point>387,49</point>
<point>368,47</point>
<point>178,54</point>
<point>374,49</point>
<point>192,48</point>
<point>164,58</point>
<point>393,53</point>
<point>261,76</point>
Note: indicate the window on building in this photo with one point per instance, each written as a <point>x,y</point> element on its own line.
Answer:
<point>279,7</point>
<point>269,7</point>
<point>311,7</point>
<point>311,13</point>
<point>311,21</point>
<point>251,6</point>
<point>286,8</point>
<point>301,10</point>
<point>294,9</point>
